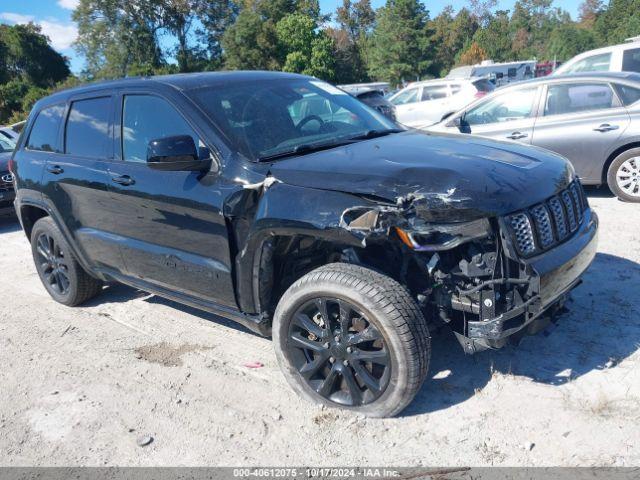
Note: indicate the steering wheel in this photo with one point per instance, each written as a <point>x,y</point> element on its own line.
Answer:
<point>308,119</point>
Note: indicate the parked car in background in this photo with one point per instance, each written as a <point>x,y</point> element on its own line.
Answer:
<point>9,133</point>
<point>7,193</point>
<point>343,239</point>
<point>624,57</point>
<point>374,97</point>
<point>429,101</point>
<point>593,119</point>
<point>498,73</point>
<point>356,88</point>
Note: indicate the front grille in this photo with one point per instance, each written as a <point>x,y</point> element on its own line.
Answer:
<point>540,227</point>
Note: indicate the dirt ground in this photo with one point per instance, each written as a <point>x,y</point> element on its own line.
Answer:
<point>86,386</point>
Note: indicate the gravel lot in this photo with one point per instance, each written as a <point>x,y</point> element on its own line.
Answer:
<point>83,386</point>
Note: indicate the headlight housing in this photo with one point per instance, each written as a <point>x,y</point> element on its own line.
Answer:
<point>437,237</point>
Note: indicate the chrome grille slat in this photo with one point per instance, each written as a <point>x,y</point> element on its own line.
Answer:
<point>542,226</point>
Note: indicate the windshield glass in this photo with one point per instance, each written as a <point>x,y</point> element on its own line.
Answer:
<point>263,120</point>
<point>6,145</point>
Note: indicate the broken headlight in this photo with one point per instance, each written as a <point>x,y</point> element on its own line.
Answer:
<point>436,237</point>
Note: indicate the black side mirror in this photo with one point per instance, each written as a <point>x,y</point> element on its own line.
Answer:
<point>456,122</point>
<point>177,153</point>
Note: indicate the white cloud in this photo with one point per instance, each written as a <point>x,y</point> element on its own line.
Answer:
<point>61,35</point>
<point>16,17</point>
<point>68,4</point>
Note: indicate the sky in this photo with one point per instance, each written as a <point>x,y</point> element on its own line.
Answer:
<point>54,16</point>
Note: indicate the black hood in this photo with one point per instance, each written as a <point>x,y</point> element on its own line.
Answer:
<point>452,177</point>
<point>4,161</point>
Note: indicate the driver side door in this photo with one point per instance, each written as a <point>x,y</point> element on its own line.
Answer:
<point>507,116</point>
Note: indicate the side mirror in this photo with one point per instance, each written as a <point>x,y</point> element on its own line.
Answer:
<point>456,122</point>
<point>177,153</point>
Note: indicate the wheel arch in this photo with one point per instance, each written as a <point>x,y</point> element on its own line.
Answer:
<point>29,215</point>
<point>618,151</point>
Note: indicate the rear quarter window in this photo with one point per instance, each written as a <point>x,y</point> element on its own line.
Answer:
<point>631,60</point>
<point>628,95</point>
<point>44,134</point>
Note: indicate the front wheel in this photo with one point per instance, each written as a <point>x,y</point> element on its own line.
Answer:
<point>349,337</point>
<point>623,176</point>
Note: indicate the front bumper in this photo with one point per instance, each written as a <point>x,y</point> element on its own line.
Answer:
<point>557,271</point>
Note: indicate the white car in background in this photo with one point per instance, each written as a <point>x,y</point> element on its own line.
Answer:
<point>616,58</point>
<point>427,102</point>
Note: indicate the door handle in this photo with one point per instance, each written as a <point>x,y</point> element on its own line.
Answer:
<point>517,136</point>
<point>125,180</point>
<point>605,127</point>
<point>55,169</point>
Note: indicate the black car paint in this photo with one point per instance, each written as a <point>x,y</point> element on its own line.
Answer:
<point>200,237</point>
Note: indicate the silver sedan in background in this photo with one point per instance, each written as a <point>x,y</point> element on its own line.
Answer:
<point>591,119</point>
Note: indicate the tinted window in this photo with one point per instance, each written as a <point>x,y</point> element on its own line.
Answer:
<point>595,63</point>
<point>455,88</point>
<point>408,96</point>
<point>44,134</point>
<point>513,105</point>
<point>434,93</point>
<point>146,118</point>
<point>88,127</point>
<point>627,94</point>
<point>631,60</point>
<point>578,97</point>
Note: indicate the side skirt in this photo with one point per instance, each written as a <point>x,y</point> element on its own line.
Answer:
<point>256,323</point>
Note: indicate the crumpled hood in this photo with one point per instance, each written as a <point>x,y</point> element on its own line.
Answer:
<point>447,177</point>
<point>4,161</point>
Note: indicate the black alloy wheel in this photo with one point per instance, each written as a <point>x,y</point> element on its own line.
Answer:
<point>53,264</point>
<point>340,354</point>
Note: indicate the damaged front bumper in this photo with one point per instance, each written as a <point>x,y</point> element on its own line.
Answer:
<point>553,275</point>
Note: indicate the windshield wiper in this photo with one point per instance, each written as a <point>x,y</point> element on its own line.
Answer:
<point>375,134</point>
<point>303,148</point>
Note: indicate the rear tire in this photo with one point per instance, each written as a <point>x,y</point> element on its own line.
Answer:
<point>623,176</point>
<point>374,351</point>
<point>60,273</point>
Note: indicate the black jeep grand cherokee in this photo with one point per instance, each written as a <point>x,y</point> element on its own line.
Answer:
<point>283,203</point>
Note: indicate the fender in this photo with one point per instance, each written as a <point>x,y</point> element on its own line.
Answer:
<point>314,213</point>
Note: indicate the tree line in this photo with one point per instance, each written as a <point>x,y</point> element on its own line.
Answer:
<point>398,42</point>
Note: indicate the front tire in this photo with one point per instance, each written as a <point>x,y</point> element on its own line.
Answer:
<point>59,271</point>
<point>349,337</point>
<point>623,176</point>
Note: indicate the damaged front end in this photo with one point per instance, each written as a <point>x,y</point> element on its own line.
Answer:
<point>471,275</point>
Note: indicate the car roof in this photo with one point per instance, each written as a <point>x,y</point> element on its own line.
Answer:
<point>180,81</point>
<point>602,76</point>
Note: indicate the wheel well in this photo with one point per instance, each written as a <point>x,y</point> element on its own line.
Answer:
<point>285,259</point>
<point>29,216</point>
<point>613,156</point>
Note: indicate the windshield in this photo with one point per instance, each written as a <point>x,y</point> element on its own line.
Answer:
<point>267,119</point>
<point>6,145</point>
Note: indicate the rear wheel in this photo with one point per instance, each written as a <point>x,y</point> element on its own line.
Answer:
<point>59,271</point>
<point>350,337</point>
<point>623,176</point>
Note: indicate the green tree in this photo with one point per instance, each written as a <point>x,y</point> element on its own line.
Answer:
<point>25,55</point>
<point>589,11</point>
<point>400,42</point>
<point>305,49</point>
<point>215,18</point>
<point>118,36</point>
<point>621,20</point>
<point>451,34</point>
<point>567,40</point>
<point>495,37</point>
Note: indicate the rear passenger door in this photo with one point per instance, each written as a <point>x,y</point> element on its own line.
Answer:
<point>581,121</point>
<point>75,178</point>
<point>170,224</point>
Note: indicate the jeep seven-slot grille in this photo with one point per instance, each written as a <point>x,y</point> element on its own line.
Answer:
<point>538,228</point>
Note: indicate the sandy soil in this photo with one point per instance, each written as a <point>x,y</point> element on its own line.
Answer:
<point>85,386</point>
